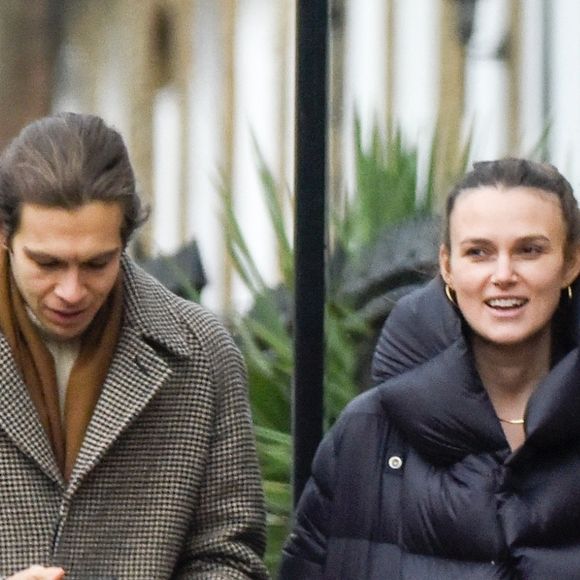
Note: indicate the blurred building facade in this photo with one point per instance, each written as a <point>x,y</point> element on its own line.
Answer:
<point>194,84</point>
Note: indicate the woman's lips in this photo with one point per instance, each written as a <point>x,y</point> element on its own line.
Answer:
<point>506,303</point>
<point>506,307</point>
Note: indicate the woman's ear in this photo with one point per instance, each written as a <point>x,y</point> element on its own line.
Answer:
<point>444,264</point>
<point>572,266</point>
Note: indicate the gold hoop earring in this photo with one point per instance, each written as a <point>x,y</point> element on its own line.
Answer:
<point>570,293</point>
<point>449,294</point>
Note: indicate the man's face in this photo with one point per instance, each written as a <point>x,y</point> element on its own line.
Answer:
<point>65,263</point>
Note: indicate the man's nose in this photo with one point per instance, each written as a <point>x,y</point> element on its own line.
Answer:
<point>70,286</point>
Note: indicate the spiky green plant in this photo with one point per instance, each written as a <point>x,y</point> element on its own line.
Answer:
<point>386,177</point>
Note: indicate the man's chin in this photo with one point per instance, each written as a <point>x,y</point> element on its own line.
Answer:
<point>63,333</point>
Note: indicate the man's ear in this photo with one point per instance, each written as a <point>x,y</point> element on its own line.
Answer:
<point>444,264</point>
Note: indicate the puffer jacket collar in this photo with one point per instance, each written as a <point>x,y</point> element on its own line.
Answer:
<point>442,408</point>
<point>444,411</point>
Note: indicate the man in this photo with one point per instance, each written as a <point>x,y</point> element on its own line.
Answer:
<point>126,444</point>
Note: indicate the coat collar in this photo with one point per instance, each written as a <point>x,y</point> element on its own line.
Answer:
<point>151,330</point>
<point>150,309</point>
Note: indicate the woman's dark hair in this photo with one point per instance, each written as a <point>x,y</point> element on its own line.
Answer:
<point>512,172</point>
<point>66,161</point>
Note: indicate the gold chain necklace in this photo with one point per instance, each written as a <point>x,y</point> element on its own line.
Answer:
<point>512,421</point>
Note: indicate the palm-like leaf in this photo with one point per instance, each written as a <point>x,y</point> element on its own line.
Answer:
<point>386,194</point>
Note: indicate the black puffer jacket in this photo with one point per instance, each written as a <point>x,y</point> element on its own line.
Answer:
<point>416,480</point>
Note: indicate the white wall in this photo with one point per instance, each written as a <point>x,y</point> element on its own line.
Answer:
<point>486,81</point>
<point>416,76</point>
<point>415,104</point>
<point>531,80</point>
<point>166,171</point>
<point>565,89</point>
<point>206,147</point>
<point>257,85</point>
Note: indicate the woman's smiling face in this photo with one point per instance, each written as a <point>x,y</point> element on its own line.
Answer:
<point>507,261</point>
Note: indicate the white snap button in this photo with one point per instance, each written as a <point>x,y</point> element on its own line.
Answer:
<point>395,462</point>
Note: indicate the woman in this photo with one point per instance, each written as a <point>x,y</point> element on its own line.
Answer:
<point>463,463</point>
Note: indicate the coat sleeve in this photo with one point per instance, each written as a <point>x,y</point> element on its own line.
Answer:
<point>304,553</point>
<point>227,534</point>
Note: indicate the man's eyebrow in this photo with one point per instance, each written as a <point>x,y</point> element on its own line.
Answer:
<point>104,255</point>
<point>40,255</point>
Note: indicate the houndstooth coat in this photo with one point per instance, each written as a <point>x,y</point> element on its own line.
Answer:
<point>166,484</point>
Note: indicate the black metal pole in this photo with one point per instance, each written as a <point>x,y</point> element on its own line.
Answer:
<point>310,234</point>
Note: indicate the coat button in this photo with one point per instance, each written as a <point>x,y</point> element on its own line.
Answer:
<point>395,462</point>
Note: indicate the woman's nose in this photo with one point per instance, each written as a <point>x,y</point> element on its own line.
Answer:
<point>504,272</point>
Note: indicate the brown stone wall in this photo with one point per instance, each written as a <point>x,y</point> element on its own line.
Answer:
<point>29,41</point>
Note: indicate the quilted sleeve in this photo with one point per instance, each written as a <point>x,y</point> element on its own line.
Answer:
<point>304,553</point>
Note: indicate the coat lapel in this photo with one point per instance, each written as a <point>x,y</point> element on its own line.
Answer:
<point>138,371</point>
<point>18,418</point>
<point>136,374</point>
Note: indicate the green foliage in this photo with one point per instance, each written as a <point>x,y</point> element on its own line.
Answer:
<point>386,178</point>
<point>386,190</point>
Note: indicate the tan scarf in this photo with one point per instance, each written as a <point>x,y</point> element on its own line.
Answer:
<point>38,370</point>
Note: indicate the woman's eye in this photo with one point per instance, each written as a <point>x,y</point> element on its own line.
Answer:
<point>532,250</point>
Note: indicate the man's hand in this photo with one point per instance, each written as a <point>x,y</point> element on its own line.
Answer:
<point>39,573</point>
